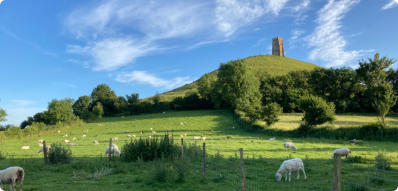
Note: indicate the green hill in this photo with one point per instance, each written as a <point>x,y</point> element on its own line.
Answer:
<point>261,64</point>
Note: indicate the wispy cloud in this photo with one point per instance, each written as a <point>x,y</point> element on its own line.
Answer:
<point>143,77</point>
<point>327,42</point>
<point>391,4</point>
<point>19,109</point>
<point>115,33</point>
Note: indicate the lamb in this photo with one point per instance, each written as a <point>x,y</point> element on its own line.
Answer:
<point>289,145</point>
<point>114,150</point>
<point>341,152</point>
<point>11,176</point>
<point>25,147</point>
<point>289,166</point>
<point>42,149</point>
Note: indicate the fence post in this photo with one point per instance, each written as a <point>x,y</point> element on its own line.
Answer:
<point>110,150</point>
<point>182,148</point>
<point>242,169</point>
<point>45,152</point>
<point>337,173</point>
<point>204,161</point>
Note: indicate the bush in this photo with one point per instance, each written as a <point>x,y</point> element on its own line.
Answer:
<point>182,168</point>
<point>383,162</point>
<point>355,159</point>
<point>316,110</point>
<point>149,149</point>
<point>59,154</point>
<point>271,112</point>
<point>2,156</point>
<point>358,187</point>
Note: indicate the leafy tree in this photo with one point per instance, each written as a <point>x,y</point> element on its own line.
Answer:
<point>81,107</point>
<point>240,88</point>
<point>206,84</point>
<point>3,115</point>
<point>41,117</point>
<point>120,105</point>
<point>104,94</point>
<point>98,110</point>
<point>60,111</point>
<point>27,122</point>
<point>132,99</point>
<point>316,110</point>
<point>271,112</point>
<point>374,75</point>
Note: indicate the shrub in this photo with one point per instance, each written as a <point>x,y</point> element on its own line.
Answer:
<point>59,154</point>
<point>355,159</point>
<point>316,110</point>
<point>149,149</point>
<point>271,112</point>
<point>383,162</point>
<point>161,172</point>
<point>358,187</point>
<point>182,168</point>
<point>2,156</point>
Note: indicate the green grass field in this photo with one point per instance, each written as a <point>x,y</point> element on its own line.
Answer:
<point>222,136</point>
<point>260,65</point>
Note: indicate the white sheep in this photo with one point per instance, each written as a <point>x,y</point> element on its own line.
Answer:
<point>272,138</point>
<point>84,135</point>
<point>66,141</point>
<point>40,140</point>
<point>25,147</point>
<point>115,139</point>
<point>95,142</point>
<point>114,150</point>
<point>341,152</point>
<point>11,176</point>
<point>196,138</point>
<point>289,166</point>
<point>42,149</point>
<point>289,145</point>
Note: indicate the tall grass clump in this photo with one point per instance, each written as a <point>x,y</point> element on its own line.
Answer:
<point>59,154</point>
<point>383,162</point>
<point>2,156</point>
<point>148,149</point>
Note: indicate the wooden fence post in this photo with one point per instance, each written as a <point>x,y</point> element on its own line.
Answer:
<point>182,148</point>
<point>45,152</point>
<point>242,169</point>
<point>337,173</point>
<point>110,150</point>
<point>204,161</point>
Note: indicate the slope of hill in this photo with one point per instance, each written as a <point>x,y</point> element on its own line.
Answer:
<point>261,64</point>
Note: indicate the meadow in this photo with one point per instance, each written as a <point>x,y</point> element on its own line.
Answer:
<point>89,169</point>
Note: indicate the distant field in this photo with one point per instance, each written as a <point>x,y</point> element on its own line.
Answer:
<point>260,65</point>
<point>217,126</point>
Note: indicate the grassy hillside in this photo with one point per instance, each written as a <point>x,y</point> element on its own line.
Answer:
<point>261,64</point>
<point>88,170</point>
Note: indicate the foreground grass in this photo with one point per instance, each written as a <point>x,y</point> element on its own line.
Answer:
<point>222,136</point>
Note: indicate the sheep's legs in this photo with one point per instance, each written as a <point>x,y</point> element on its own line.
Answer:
<point>20,186</point>
<point>305,176</point>
<point>298,174</point>
<point>290,176</point>
<point>285,176</point>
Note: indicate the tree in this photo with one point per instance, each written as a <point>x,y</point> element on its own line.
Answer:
<point>271,112</point>
<point>120,105</point>
<point>104,94</point>
<point>81,107</point>
<point>132,99</point>
<point>240,88</point>
<point>206,84</point>
<point>3,115</point>
<point>374,75</point>
<point>316,110</point>
<point>98,110</point>
<point>60,111</point>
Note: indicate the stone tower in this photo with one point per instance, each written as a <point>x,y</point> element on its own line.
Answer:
<point>277,46</point>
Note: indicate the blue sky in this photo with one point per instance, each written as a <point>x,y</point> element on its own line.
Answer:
<point>63,49</point>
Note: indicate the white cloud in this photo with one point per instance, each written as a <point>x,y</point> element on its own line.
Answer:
<point>19,109</point>
<point>234,14</point>
<point>110,54</point>
<point>327,41</point>
<point>391,4</point>
<point>143,77</point>
<point>1,1</point>
<point>296,33</point>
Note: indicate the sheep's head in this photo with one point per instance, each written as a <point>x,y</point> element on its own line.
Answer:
<point>278,176</point>
<point>295,148</point>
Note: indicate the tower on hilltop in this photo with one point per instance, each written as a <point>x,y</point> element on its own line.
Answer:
<point>277,46</point>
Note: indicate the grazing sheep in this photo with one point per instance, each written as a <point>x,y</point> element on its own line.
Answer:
<point>115,139</point>
<point>25,147</point>
<point>95,142</point>
<point>40,140</point>
<point>72,144</point>
<point>126,131</point>
<point>204,138</point>
<point>151,129</point>
<point>74,138</point>
<point>129,136</point>
<point>272,138</point>
<point>196,138</point>
<point>341,152</point>
<point>153,132</point>
<point>84,135</point>
<point>66,141</point>
<point>182,123</point>
<point>11,176</point>
<point>58,131</point>
<point>289,166</point>
<point>114,150</point>
<point>42,149</point>
<point>66,135</point>
<point>289,145</point>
